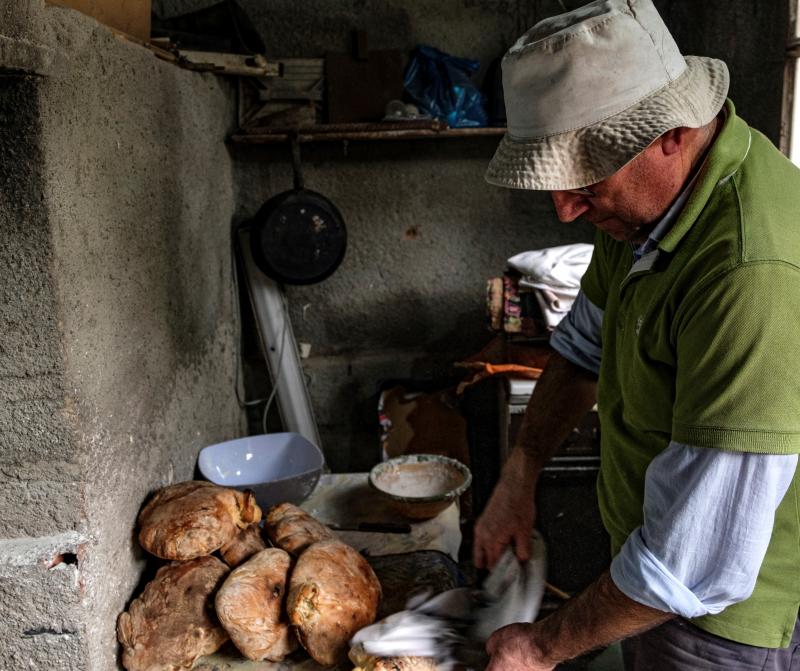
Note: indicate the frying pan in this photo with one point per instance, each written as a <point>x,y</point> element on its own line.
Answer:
<point>298,236</point>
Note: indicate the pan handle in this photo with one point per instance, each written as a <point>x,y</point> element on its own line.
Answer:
<point>299,184</point>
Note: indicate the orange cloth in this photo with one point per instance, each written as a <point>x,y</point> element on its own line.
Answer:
<point>485,370</point>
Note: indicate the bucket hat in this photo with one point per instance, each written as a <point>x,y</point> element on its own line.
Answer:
<point>588,90</point>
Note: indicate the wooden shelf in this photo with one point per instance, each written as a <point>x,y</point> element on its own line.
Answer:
<point>411,130</point>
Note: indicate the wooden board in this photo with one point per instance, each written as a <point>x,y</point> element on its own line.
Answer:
<point>358,89</point>
<point>129,16</point>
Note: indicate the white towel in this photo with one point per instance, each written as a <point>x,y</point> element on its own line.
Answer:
<point>555,275</point>
<point>554,267</point>
<point>444,626</point>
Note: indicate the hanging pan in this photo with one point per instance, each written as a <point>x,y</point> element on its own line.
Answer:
<point>298,236</point>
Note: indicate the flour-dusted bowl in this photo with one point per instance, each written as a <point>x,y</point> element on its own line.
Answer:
<point>278,467</point>
<point>420,486</point>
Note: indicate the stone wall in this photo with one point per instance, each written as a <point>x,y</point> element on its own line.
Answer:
<point>118,319</point>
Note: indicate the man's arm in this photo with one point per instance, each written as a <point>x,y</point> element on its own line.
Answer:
<point>561,398</point>
<point>672,564</point>
<point>597,617</point>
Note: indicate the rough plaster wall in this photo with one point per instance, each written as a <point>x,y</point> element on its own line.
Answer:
<point>405,308</point>
<point>118,324</point>
<point>424,232</point>
<point>40,474</point>
<point>406,305</point>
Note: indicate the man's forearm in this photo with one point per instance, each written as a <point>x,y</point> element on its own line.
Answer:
<point>600,615</point>
<point>561,398</point>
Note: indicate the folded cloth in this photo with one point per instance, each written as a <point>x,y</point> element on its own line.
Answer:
<point>554,304</point>
<point>554,276</point>
<point>484,370</point>
<point>553,267</point>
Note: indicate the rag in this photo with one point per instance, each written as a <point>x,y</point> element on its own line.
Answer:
<point>453,626</point>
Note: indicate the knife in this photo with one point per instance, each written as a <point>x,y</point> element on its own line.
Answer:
<point>374,527</point>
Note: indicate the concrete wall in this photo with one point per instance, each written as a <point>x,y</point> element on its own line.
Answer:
<point>406,305</point>
<point>118,321</point>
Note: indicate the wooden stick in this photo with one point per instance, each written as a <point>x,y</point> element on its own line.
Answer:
<point>557,592</point>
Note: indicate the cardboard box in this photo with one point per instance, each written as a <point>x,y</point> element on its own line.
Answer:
<point>129,16</point>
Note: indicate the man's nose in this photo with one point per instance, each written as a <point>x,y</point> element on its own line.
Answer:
<point>569,205</point>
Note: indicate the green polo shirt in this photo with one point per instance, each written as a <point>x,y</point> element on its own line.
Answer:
<point>701,345</point>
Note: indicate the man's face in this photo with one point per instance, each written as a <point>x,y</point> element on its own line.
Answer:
<point>628,204</point>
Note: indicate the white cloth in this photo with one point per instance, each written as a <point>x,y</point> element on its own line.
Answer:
<point>554,267</point>
<point>702,542</point>
<point>554,274</point>
<point>454,620</point>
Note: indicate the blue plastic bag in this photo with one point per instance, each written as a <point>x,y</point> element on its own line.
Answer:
<point>440,85</point>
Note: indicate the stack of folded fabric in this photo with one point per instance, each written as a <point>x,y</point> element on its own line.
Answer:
<point>511,308</point>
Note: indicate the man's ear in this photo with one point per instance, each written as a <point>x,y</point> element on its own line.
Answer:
<point>673,140</point>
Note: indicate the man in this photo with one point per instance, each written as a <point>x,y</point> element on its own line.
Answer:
<point>686,334</point>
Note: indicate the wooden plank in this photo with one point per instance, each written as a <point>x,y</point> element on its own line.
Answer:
<point>163,54</point>
<point>303,135</point>
<point>228,64</point>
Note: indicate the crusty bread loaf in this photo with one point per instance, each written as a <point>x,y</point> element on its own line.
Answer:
<point>195,518</point>
<point>243,546</point>
<point>250,605</point>
<point>172,622</point>
<point>293,529</point>
<point>333,592</point>
<point>367,662</point>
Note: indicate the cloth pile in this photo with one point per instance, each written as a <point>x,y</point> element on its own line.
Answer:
<point>539,289</point>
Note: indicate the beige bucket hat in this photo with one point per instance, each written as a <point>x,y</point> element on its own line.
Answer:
<point>588,90</point>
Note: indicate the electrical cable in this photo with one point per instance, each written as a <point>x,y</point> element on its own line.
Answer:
<point>279,367</point>
<point>237,353</point>
<point>237,342</point>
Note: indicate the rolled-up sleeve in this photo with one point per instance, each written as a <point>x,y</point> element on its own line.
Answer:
<point>708,519</point>
<point>578,336</point>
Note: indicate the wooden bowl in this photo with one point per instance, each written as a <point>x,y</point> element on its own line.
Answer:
<point>420,486</point>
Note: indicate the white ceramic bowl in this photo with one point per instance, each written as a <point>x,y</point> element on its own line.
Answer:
<point>278,467</point>
<point>420,486</point>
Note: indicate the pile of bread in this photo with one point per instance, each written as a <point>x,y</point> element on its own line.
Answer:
<point>307,589</point>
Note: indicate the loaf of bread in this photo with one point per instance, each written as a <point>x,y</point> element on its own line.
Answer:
<point>243,546</point>
<point>365,662</point>
<point>195,518</point>
<point>293,529</point>
<point>333,592</point>
<point>172,622</point>
<point>250,605</point>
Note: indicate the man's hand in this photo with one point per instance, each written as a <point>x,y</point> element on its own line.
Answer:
<point>561,398</point>
<point>508,517</point>
<point>595,618</point>
<point>513,649</point>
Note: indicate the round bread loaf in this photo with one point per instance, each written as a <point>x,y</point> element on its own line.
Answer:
<point>250,605</point>
<point>243,546</point>
<point>366,662</point>
<point>293,529</point>
<point>333,592</point>
<point>172,622</point>
<point>194,518</point>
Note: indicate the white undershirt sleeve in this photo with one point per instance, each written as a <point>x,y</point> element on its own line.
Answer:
<point>578,336</point>
<point>708,519</point>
